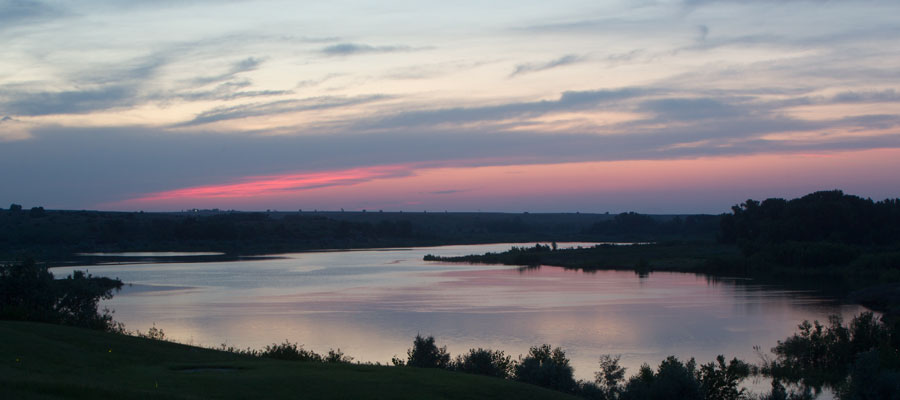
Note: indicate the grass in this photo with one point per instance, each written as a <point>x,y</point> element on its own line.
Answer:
<point>42,361</point>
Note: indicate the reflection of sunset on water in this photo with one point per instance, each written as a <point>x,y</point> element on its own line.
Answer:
<point>372,303</point>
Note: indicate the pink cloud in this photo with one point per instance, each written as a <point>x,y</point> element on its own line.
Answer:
<point>661,186</point>
<point>270,185</point>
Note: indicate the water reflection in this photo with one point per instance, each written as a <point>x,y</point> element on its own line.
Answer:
<point>372,303</point>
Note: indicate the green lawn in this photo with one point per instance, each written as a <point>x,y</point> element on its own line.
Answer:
<point>50,361</point>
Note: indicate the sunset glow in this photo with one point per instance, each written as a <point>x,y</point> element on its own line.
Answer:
<point>583,186</point>
<point>507,106</point>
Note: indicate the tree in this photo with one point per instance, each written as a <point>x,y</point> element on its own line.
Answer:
<point>425,354</point>
<point>36,212</point>
<point>610,377</point>
<point>546,367</point>
<point>29,292</point>
<point>720,381</point>
<point>672,380</point>
<point>485,362</point>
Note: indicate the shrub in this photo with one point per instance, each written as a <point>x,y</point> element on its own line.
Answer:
<point>337,356</point>
<point>153,333</point>
<point>290,351</point>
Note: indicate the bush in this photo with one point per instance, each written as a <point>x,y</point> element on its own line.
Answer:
<point>337,356</point>
<point>546,367</point>
<point>485,362</point>
<point>153,333</point>
<point>425,354</point>
<point>290,352</point>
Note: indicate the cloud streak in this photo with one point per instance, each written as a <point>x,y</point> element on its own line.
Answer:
<point>263,186</point>
<point>245,65</point>
<point>568,59</point>
<point>568,101</point>
<point>276,107</point>
<point>349,49</point>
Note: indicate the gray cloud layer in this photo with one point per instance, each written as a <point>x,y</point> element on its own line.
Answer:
<point>89,166</point>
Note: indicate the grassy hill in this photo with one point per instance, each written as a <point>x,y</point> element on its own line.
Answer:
<point>42,361</point>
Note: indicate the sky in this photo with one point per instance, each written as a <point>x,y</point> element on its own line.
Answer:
<point>656,106</point>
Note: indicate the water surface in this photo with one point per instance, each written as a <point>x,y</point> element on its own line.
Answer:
<point>371,303</point>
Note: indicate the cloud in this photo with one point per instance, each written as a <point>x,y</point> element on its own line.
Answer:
<point>277,107</point>
<point>690,109</point>
<point>17,12</point>
<point>114,88</point>
<point>83,167</point>
<point>13,129</point>
<point>583,25</point>
<point>882,96</point>
<point>245,65</point>
<point>69,102</point>
<point>564,60</point>
<point>261,186</point>
<point>568,101</point>
<point>229,91</point>
<point>448,191</point>
<point>347,49</point>
<point>702,32</point>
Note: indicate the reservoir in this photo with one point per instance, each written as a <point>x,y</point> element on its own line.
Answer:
<point>372,303</point>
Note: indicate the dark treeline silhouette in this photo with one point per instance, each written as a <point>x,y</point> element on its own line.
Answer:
<point>632,226</point>
<point>827,216</point>
<point>57,235</point>
<point>819,232</point>
<point>50,234</point>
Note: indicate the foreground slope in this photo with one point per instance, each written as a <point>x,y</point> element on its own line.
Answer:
<point>51,361</point>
